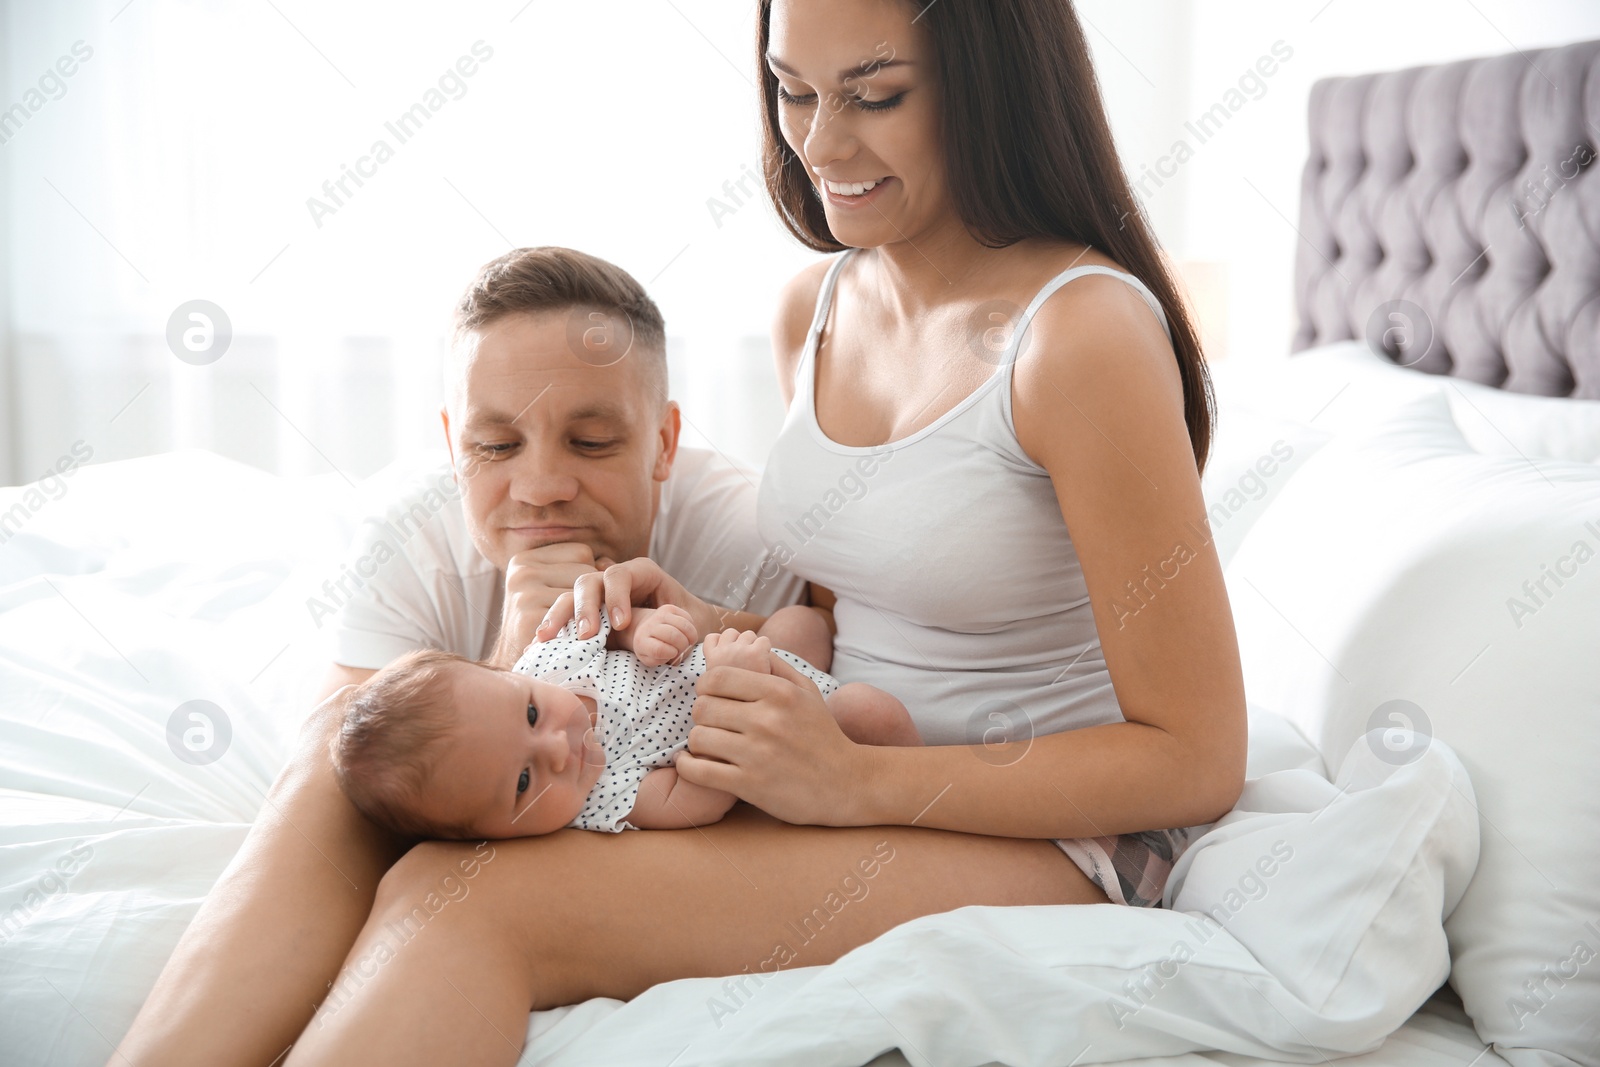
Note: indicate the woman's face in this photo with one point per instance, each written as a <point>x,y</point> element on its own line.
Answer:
<point>858,102</point>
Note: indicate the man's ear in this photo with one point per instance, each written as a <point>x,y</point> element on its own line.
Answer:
<point>449,442</point>
<point>671,424</point>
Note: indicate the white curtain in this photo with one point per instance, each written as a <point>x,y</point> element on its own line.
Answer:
<point>185,155</point>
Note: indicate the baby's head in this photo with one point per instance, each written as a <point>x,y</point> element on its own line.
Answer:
<point>437,746</point>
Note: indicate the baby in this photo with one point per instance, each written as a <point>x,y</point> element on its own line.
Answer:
<point>579,733</point>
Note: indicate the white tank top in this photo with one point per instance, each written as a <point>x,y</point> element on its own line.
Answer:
<point>958,586</point>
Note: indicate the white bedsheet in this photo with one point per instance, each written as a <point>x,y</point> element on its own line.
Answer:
<point>184,577</point>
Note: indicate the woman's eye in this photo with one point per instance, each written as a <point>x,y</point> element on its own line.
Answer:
<point>533,715</point>
<point>522,783</point>
<point>881,105</point>
<point>786,97</point>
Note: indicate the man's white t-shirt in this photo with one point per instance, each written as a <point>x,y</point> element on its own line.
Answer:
<point>416,580</point>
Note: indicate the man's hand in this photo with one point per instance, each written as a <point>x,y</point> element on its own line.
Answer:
<point>658,635</point>
<point>535,579</point>
<point>637,582</point>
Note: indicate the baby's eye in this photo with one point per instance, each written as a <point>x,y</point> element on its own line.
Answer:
<point>522,783</point>
<point>533,715</point>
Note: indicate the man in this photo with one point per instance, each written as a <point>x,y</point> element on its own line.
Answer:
<point>564,447</point>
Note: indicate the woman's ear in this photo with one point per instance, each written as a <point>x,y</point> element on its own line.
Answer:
<point>671,424</point>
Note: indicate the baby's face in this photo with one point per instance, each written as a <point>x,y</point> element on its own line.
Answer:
<point>520,758</point>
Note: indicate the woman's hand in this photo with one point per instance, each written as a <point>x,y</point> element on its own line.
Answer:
<point>770,740</point>
<point>639,581</point>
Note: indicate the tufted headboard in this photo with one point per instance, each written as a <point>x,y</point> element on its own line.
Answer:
<point>1451,215</point>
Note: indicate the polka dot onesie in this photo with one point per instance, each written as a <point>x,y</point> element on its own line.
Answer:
<point>643,715</point>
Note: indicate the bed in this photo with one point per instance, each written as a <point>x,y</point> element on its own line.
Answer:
<point>1406,507</point>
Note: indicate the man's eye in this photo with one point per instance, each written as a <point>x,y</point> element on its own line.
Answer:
<point>533,715</point>
<point>522,783</point>
<point>592,446</point>
<point>495,449</point>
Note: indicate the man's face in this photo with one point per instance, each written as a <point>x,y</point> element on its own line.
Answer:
<point>550,448</point>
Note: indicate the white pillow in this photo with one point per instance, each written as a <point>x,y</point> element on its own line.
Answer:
<point>1499,423</point>
<point>1346,384</point>
<point>1385,588</point>
<point>1334,387</point>
<point>1252,456</point>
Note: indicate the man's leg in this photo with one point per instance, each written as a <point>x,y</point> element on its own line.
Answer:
<point>259,956</point>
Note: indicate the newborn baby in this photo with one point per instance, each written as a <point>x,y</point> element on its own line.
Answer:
<point>579,733</point>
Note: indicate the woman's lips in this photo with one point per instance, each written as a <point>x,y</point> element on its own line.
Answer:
<point>856,201</point>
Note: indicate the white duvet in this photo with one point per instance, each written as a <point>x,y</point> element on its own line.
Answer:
<point>152,583</point>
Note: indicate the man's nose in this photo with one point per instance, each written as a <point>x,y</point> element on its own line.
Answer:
<point>543,475</point>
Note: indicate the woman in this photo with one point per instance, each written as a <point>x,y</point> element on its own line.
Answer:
<point>985,395</point>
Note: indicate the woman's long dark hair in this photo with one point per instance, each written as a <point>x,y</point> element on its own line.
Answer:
<point>1029,154</point>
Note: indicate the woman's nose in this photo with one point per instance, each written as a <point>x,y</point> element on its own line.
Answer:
<point>829,138</point>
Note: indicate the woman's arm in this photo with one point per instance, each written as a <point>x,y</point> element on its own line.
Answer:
<point>1098,404</point>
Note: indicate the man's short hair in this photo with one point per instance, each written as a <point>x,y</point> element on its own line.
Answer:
<point>551,278</point>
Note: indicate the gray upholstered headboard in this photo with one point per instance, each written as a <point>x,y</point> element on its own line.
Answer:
<point>1451,215</point>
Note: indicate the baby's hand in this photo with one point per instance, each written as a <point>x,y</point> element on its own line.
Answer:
<point>660,635</point>
<point>739,648</point>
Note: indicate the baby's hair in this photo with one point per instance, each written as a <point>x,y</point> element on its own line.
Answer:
<point>380,753</point>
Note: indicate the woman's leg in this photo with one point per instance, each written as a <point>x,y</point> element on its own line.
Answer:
<point>258,957</point>
<point>451,961</point>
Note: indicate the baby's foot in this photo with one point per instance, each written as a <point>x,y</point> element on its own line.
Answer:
<point>739,648</point>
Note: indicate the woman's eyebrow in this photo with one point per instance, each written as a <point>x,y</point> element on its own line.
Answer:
<point>865,69</point>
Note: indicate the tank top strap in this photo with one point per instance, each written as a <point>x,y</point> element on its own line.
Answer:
<point>1004,433</point>
<point>1063,278</point>
<point>803,373</point>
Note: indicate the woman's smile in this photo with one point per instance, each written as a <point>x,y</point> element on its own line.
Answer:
<point>855,194</point>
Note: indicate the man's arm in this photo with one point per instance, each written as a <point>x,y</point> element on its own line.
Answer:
<point>667,802</point>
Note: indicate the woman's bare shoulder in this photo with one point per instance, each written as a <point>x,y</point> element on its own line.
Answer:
<point>1094,340</point>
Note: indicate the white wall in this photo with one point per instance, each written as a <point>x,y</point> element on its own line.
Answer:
<point>179,161</point>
